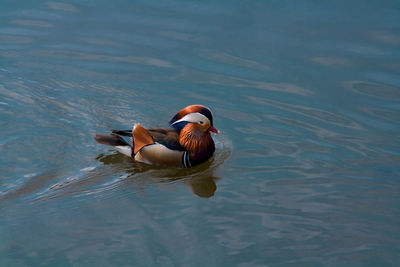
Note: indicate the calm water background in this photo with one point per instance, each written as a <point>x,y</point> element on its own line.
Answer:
<point>306,93</point>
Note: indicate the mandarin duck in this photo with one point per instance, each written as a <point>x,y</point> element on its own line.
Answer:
<point>187,141</point>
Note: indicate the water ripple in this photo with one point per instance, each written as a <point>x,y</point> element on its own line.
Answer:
<point>308,111</point>
<point>119,171</point>
<point>232,81</point>
<point>63,7</point>
<point>374,89</point>
<point>66,54</point>
<point>311,107</point>
<point>32,23</point>
<point>14,39</point>
<point>235,60</point>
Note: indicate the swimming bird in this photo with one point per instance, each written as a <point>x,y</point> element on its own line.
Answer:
<point>185,143</point>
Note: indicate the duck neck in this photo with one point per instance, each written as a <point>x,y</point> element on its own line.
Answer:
<point>199,144</point>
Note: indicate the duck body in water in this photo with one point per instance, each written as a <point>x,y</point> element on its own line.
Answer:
<point>185,143</point>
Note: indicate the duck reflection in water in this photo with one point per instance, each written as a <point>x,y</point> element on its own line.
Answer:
<point>200,179</point>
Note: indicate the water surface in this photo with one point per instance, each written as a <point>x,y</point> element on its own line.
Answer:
<point>307,167</point>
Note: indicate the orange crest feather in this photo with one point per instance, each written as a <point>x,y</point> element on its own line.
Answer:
<point>141,138</point>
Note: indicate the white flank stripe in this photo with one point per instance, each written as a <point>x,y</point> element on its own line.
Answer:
<point>126,150</point>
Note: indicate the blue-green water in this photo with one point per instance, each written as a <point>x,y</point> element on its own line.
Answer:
<point>307,168</point>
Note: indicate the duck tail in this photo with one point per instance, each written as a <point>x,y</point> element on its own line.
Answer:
<point>110,140</point>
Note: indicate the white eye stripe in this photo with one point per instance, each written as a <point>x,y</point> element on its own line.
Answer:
<point>194,117</point>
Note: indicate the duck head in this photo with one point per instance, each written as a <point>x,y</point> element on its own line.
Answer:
<point>198,115</point>
<point>194,124</point>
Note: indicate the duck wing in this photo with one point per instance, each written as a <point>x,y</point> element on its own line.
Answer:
<point>122,132</point>
<point>168,137</point>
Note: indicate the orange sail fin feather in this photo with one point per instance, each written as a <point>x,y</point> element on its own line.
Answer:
<point>141,138</point>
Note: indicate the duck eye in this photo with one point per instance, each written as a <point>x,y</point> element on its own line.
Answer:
<point>201,122</point>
